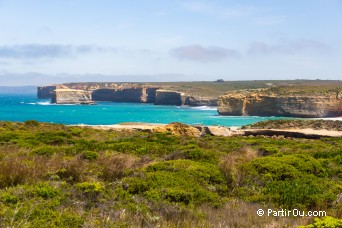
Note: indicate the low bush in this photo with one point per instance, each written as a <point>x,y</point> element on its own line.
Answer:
<point>327,221</point>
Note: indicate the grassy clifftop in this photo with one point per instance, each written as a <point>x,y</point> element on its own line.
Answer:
<point>334,125</point>
<point>215,89</point>
<point>54,175</point>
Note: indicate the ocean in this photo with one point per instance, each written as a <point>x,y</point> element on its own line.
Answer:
<point>22,107</point>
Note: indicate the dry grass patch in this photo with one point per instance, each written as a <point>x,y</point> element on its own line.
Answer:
<point>115,166</point>
<point>231,163</point>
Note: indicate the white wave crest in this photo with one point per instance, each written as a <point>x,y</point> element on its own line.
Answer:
<point>205,108</point>
<point>44,103</point>
<point>39,103</point>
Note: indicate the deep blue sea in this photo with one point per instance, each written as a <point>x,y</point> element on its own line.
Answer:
<point>22,107</point>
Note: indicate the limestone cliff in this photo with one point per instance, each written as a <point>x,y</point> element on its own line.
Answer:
<point>168,97</point>
<point>45,92</point>
<point>262,103</point>
<point>200,101</point>
<point>133,94</point>
<point>127,92</point>
<point>71,96</point>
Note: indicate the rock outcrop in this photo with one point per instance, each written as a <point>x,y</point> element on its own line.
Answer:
<point>200,101</point>
<point>118,95</point>
<point>125,92</point>
<point>71,96</point>
<point>179,129</point>
<point>168,97</point>
<point>261,103</point>
<point>133,94</point>
<point>45,92</point>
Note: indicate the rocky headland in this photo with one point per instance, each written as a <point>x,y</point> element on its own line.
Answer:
<point>75,93</point>
<point>282,101</point>
<point>304,99</point>
<point>71,96</point>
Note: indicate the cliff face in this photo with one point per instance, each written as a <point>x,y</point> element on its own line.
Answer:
<point>200,101</point>
<point>45,92</point>
<point>71,96</point>
<point>120,95</point>
<point>168,97</point>
<point>259,104</point>
<point>134,94</point>
<point>124,92</point>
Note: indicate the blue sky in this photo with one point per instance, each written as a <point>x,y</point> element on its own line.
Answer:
<point>169,40</point>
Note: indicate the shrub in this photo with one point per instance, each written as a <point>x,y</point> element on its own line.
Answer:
<point>7,136</point>
<point>71,170</point>
<point>90,155</point>
<point>45,191</point>
<point>87,187</point>
<point>231,164</point>
<point>20,170</point>
<point>45,150</point>
<point>181,181</point>
<point>113,167</point>
<point>9,198</point>
<point>32,123</point>
<point>325,222</point>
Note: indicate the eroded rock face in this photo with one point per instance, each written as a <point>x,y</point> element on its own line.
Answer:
<point>118,95</point>
<point>200,101</point>
<point>134,94</point>
<point>45,92</point>
<point>178,129</point>
<point>71,96</point>
<point>259,104</point>
<point>128,92</point>
<point>168,97</point>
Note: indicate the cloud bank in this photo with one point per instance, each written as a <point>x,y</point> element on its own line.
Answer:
<point>199,53</point>
<point>38,51</point>
<point>287,47</point>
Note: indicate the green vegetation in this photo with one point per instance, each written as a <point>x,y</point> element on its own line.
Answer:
<point>58,176</point>
<point>309,90</point>
<point>286,124</point>
<point>214,89</point>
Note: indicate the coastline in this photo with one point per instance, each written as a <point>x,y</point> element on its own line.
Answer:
<point>199,130</point>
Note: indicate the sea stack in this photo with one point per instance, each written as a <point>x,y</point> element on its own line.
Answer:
<point>71,96</point>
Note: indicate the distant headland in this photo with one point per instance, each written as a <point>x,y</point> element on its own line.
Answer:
<point>289,98</point>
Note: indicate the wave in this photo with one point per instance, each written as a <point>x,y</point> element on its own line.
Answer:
<point>44,103</point>
<point>39,103</point>
<point>205,108</point>
<point>47,103</point>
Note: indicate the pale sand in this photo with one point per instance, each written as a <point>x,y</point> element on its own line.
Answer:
<point>126,126</point>
<point>307,131</point>
<point>221,131</point>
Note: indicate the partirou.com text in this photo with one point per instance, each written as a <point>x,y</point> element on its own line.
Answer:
<point>287,213</point>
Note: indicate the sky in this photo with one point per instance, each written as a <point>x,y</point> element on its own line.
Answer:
<point>54,41</point>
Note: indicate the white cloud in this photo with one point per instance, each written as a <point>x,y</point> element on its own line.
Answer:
<point>43,51</point>
<point>203,54</point>
<point>286,46</point>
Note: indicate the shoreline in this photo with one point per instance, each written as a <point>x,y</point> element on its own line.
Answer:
<point>218,130</point>
<point>149,124</point>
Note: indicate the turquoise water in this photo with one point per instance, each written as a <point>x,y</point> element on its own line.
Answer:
<point>22,107</point>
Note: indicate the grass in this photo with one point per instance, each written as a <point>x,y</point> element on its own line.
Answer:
<point>214,89</point>
<point>288,124</point>
<point>57,176</point>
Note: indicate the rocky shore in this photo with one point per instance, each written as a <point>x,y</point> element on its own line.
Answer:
<point>126,92</point>
<point>310,100</point>
<point>200,130</point>
<point>270,103</point>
